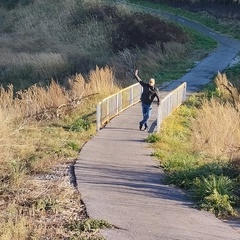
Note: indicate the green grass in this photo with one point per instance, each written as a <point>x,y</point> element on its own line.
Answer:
<point>233,73</point>
<point>231,29</point>
<point>89,225</point>
<point>210,182</point>
<point>176,67</point>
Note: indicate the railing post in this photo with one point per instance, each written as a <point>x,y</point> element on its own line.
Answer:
<point>185,91</point>
<point>117,103</point>
<point>159,121</point>
<point>98,116</point>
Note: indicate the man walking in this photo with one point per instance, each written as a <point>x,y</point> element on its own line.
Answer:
<point>148,94</point>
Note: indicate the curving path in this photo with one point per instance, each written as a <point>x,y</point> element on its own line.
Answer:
<point>119,180</point>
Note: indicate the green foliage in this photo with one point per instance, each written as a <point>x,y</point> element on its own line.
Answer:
<point>79,125</point>
<point>201,41</point>
<point>10,4</point>
<point>220,205</point>
<point>215,194</point>
<point>74,146</point>
<point>46,204</point>
<point>180,169</point>
<point>152,138</point>
<point>180,66</point>
<point>78,228</point>
<point>205,186</point>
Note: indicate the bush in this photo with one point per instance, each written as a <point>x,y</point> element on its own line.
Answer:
<point>152,138</point>
<point>215,193</point>
<point>141,29</point>
<point>79,125</point>
<point>10,4</point>
<point>218,204</point>
<point>205,186</point>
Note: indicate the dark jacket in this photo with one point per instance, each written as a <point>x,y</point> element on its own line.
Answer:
<point>149,93</point>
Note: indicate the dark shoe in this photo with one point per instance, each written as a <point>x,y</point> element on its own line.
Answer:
<point>140,126</point>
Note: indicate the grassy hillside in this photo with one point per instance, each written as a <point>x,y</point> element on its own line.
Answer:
<point>41,40</point>
<point>217,15</point>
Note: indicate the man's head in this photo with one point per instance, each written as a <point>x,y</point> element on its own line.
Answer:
<point>151,82</point>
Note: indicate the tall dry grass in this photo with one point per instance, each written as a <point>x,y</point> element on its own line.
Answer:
<point>41,41</point>
<point>228,91</point>
<point>55,100</point>
<point>20,137</point>
<point>216,129</point>
<point>31,206</point>
<point>149,60</point>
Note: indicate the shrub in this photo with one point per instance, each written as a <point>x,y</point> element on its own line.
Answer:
<point>10,4</point>
<point>220,205</point>
<point>141,29</point>
<point>215,193</point>
<point>205,186</point>
<point>152,138</point>
<point>79,125</point>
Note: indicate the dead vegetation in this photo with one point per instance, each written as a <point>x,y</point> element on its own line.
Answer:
<point>54,101</point>
<point>38,198</point>
<point>216,129</point>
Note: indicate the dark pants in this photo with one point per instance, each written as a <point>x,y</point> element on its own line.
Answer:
<point>146,112</point>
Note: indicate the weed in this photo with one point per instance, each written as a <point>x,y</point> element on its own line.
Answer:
<point>79,125</point>
<point>152,138</point>
<point>45,205</point>
<point>78,228</point>
<point>205,186</point>
<point>220,205</point>
<point>74,146</point>
<point>216,194</point>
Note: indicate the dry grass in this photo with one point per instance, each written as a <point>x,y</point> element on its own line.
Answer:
<point>37,60</point>
<point>40,210</point>
<point>30,205</point>
<point>149,60</point>
<point>55,101</point>
<point>216,129</point>
<point>228,92</point>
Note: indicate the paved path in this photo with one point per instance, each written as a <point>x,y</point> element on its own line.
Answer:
<point>119,180</point>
